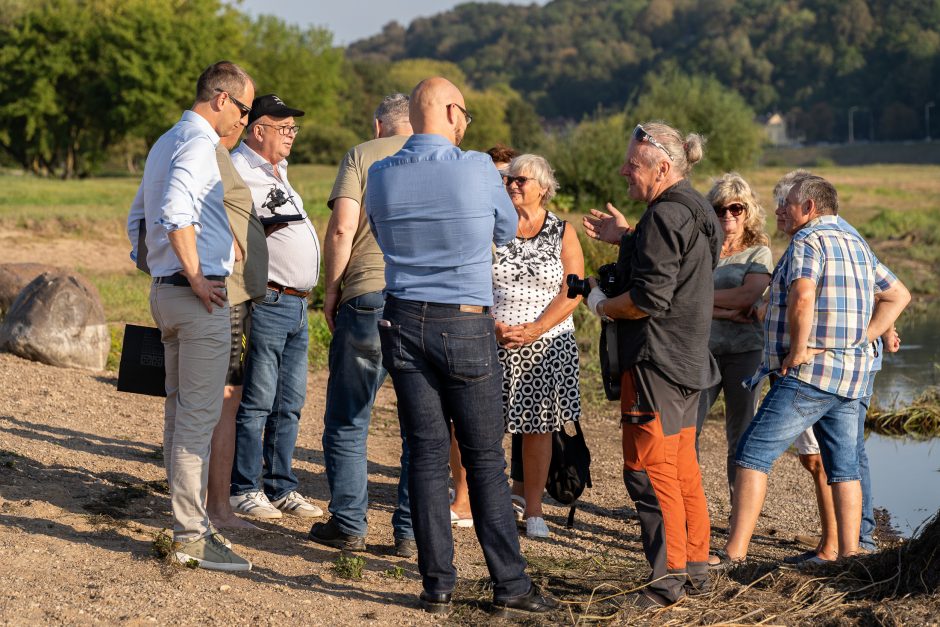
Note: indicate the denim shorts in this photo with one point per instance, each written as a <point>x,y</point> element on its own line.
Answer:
<point>790,408</point>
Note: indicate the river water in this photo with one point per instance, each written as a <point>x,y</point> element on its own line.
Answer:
<point>905,473</point>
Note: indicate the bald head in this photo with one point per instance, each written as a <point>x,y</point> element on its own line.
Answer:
<point>437,107</point>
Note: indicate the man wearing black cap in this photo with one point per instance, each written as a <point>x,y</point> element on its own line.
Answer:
<point>276,370</point>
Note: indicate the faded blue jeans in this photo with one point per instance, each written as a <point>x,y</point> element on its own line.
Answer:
<point>356,374</point>
<point>443,363</point>
<point>274,392</point>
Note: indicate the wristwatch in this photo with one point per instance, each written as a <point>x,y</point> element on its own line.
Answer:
<point>603,314</point>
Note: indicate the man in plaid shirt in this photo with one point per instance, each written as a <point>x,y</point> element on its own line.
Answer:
<point>820,322</point>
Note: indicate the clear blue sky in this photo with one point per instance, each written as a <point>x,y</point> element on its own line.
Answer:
<point>350,20</point>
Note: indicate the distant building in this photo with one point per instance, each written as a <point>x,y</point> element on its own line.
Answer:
<point>775,128</point>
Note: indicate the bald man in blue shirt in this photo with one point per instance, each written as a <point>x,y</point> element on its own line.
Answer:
<point>436,211</point>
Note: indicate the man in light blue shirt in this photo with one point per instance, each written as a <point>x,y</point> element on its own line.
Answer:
<point>436,211</point>
<point>189,254</point>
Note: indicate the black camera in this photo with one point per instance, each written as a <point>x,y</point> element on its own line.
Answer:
<point>606,280</point>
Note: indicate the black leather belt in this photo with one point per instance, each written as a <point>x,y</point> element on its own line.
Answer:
<point>181,281</point>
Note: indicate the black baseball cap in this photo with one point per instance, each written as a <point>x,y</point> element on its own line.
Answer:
<point>270,104</point>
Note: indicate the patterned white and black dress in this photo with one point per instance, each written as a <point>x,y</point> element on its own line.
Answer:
<point>540,380</point>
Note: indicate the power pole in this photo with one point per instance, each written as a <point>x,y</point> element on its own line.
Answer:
<point>927,118</point>
<point>852,111</point>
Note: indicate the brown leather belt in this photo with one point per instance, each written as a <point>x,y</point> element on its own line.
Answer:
<point>287,290</point>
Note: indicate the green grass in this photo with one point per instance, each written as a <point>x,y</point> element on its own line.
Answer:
<point>896,206</point>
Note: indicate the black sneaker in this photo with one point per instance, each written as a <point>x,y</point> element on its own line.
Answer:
<point>328,533</point>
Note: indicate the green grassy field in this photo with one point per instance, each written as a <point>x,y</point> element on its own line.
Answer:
<point>896,206</point>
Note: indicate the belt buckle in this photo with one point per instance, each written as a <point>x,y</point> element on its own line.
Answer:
<point>471,308</point>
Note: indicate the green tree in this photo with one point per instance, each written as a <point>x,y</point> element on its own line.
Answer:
<point>704,106</point>
<point>78,77</point>
<point>302,67</point>
<point>587,159</point>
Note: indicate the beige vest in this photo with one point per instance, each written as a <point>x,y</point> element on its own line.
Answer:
<point>249,278</point>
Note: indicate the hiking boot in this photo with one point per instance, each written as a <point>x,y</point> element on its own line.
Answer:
<point>210,553</point>
<point>254,504</point>
<point>297,505</point>
<point>329,533</point>
<point>406,547</point>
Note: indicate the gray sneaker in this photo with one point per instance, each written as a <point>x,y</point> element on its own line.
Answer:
<point>210,553</point>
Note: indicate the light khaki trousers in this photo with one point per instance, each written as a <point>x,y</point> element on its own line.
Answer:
<point>197,345</point>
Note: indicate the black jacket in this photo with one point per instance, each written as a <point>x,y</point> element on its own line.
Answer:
<point>670,259</point>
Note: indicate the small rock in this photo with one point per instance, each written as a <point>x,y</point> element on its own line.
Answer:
<point>224,588</point>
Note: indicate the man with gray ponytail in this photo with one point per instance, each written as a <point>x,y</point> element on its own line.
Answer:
<point>663,321</point>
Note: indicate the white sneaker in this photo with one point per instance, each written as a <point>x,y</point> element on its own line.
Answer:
<point>254,504</point>
<point>535,527</point>
<point>210,553</point>
<point>297,505</point>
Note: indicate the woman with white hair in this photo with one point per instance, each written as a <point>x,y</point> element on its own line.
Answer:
<point>535,331</point>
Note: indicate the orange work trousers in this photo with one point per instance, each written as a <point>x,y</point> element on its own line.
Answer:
<point>662,476</point>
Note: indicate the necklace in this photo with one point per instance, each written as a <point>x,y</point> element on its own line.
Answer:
<point>532,228</point>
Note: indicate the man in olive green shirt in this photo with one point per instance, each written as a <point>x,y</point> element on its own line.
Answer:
<point>247,283</point>
<point>353,305</point>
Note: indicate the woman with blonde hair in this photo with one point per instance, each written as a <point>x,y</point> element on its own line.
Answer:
<point>742,275</point>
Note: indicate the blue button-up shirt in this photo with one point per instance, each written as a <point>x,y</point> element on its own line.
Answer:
<point>182,187</point>
<point>435,211</point>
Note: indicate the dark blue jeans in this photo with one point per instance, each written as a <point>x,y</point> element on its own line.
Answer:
<point>443,363</point>
<point>356,374</point>
<point>274,392</point>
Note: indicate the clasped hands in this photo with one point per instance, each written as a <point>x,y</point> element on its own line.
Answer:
<point>514,336</point>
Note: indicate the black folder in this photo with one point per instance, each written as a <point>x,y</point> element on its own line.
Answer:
<point>142,370</point>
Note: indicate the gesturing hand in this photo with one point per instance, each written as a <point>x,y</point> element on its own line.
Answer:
<point>606,227</point>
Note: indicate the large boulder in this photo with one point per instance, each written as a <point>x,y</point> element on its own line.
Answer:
<point>58,319</point>
<point>14,277</point>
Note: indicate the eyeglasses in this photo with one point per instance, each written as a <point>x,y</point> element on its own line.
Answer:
<point>640,135</point>
<point>519,180</point>
<point>245,109</point>
<point>734,209</point>
<point>466,113</point>
<point>283,130</point>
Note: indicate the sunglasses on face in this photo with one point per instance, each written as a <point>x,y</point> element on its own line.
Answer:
<point>518,180</point>
<point>734,209</point>
<point>245,109</point>
<point>640,135</point>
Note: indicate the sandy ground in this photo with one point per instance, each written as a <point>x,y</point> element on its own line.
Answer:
<point>82,496</point>
<point>79,506</point>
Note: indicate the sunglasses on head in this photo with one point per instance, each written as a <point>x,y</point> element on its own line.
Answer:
<point>519,180</point>
<point>640,135</point>
<point>734,209</point>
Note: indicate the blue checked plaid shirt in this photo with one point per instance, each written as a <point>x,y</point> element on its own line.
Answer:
<point>847,275</point>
